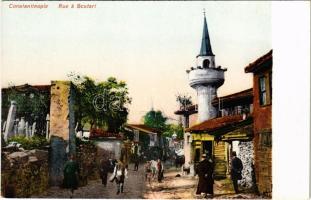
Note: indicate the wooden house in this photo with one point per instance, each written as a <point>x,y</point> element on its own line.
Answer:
<point>234,123</point>
<point>262,84</point>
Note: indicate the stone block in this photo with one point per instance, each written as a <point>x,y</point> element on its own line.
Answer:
<point>20,156</point>
<point>39,154</point>
<point>32,159</point>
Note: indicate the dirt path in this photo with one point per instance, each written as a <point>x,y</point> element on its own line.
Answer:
<point>184,187</point>
<point>133,189</point>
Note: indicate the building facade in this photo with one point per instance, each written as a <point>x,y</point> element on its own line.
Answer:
<point>146,141</point>
<point>262,84</point>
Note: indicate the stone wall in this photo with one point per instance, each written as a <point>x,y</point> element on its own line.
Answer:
<point>87,159</point>
<point>246,152</point>
<point>62,133</point>
<point>24,173</point>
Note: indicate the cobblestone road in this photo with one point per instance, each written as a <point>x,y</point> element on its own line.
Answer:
<point>134,189</point>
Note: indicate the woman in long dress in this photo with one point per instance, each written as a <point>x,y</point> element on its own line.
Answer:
<point>71,174</point>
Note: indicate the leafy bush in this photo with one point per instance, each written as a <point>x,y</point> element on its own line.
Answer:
<point>35,142</point>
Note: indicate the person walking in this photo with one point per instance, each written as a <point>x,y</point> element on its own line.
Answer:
<point>205,170</point>
<point>71,174</point>
<point>104,169</point>
<point>136,162</point>
<point>236,171</point>
<point>120,173</point>
<point>160,170</point>
<point>148,172</point>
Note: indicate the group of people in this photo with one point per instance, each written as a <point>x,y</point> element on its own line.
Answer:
<point>205,171</point>
<point>116,167</point>
<point>154,168</point>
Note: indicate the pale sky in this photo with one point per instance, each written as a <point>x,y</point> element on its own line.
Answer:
<point>150,45</point>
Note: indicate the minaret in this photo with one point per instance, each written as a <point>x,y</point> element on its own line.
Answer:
<point>205,78</point>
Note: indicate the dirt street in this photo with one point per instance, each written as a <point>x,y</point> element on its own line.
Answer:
<point>133,189</point>
<point>172,187</point>
<point>184,187</point>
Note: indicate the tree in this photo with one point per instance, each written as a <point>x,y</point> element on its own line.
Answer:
<point>183,100</point>
<point>101,104</point>
<point>33,104</point>
<point>172,129</point>
<point>155,119</point>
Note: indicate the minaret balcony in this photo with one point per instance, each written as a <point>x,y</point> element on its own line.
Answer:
<point>206,76</point>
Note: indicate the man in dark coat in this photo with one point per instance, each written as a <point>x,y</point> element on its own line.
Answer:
<point>136,162</point>
<point>236,171</point>
<point>71,174</point>
<point>104,169</point>
<point>160,170</point>
<point>205,171</point>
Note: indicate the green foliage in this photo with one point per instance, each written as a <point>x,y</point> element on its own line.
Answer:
<point>183,100</point>
<point>101,104</point>
<point>173,128</point>
<point>35,142</point>
<point>155,119</point>
<point>31,103</point>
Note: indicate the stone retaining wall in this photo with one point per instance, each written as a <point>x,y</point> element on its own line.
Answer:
<point>86,157</point>
<point>24,173</point>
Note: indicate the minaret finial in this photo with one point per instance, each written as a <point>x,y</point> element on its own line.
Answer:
<point>204,12</point>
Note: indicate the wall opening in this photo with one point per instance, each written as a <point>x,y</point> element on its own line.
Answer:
<point>206,63</point>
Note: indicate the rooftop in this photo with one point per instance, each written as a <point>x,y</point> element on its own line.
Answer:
<point>143,128</point>
<point>100,133</point>
<point>245,95</point>
<point>27,87</point>
<point>260,63</point>
<point>213,125</point>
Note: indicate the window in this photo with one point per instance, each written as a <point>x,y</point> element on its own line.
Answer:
<point>266,139</point>
<point>206,63</point>
<point>265,88</point>
<point>270,86</point>
<point>262,90</point>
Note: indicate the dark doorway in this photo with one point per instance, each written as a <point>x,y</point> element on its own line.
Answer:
<point>208,147</point>
<point>197,155</point>
<point>206,63</point>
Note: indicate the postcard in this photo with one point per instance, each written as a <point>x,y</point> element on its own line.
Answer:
<point>132,99</point>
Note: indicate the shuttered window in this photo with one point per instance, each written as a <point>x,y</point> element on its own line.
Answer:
<point>262,90</point>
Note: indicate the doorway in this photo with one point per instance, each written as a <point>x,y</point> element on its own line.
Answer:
<point>208,147</point>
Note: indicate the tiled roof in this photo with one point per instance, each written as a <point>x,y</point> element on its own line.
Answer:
<point>26,87</point>
<point>143,128</point>
<point>216,123</point>
<point>259,63</point>
<point>100,133</point>
<point>243,95</point>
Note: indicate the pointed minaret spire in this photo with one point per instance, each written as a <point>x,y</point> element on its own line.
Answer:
<point>206,48</point>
